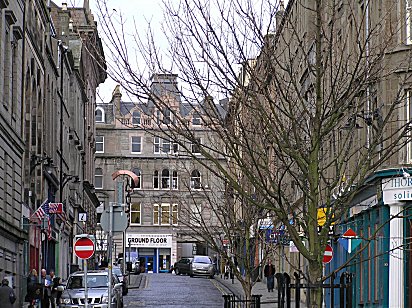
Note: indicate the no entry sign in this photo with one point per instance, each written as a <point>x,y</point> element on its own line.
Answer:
<point>84,248</point>
<point>328,255</point>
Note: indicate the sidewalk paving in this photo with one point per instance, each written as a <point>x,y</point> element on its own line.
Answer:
<point>268,299</point>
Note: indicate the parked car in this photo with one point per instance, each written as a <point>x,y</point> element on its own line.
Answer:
<point>122,278</point>
<point>97,289</point>
<point>202,266</point>
<point>182,266</point>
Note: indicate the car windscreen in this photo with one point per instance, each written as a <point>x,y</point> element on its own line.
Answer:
<point>93,281</point>
<point>202,259</point>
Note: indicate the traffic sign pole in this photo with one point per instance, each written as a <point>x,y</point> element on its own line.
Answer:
<point>84,249</point>
<point>109,255</point>
<point>86,295</point>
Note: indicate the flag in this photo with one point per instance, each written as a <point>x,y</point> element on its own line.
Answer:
<point>42,211</point>
<point>49,229</point>
<point>55,208</point>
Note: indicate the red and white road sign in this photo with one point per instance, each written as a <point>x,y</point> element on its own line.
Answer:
<point>328,255</point>
<point>84,248</point>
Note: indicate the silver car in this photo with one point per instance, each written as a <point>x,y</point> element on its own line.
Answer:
<point>97,290</point>
<point>202,266</point>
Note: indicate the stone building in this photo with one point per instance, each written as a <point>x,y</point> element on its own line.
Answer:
<point>360,140</point>
<point>13,236</point>
<point>48,81</point>
<point>136,137</point>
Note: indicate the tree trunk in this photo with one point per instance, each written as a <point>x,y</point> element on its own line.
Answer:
<point>315,278</point>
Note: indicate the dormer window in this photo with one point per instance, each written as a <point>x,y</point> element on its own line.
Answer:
<point>167,116</point>
<point>99,115</point>
<point>136,119</point>
<point>196,119</point>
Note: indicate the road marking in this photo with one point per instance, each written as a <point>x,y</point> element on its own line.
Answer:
<point>217,285</point>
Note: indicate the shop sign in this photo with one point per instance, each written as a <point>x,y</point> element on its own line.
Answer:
<point>149,240</point>
<point>397,189</point>
<point>277,237</point>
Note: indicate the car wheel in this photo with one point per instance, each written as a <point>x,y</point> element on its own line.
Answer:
<point>211,276</point>
<point>177,272</point>
<point>191,275</point>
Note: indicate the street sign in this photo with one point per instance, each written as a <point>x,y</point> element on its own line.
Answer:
<point>83,217</point>
<point>349,240</point>
<point>328,255</point>
<point>84,248</point>
<point>120,221</point>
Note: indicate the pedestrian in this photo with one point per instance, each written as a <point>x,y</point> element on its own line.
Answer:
<point>57,281</point>
<point>53,288</point>
<point>269,272</point>
<point>7,296</point>
<point>32,281</point>
<point>46,286</point>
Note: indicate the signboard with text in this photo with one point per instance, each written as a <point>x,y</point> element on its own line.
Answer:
<point>397,189</point>
<point>149,240</point>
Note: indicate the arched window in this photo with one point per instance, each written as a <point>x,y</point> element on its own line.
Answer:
<point>136,118</point>
<point>98,178</point>
<point>99,115</point>
<point>165,179</point>
<point>195,179</point>
<point>156,179</point>
<point>139,175</point>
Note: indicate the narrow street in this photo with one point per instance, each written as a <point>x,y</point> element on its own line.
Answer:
<point>168,290</point>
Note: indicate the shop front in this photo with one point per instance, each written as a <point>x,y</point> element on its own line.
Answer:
<point>152,251</point>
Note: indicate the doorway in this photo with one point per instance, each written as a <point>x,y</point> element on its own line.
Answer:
<point>148,263</point>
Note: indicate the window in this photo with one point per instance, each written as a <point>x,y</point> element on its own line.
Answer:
<point>135,213</point>
<point>99,115</point>
<point>167,116</point>
<point>136,144</point>
<point>196,146</point>
<point>163,146</point>
<point>98,178</point>
<point>196,119</point>
<point>156,214</point>
<point>158,117</point>
<point>165,214</point>
<point>156,179</point>
<point>195,179</point>
<point>162,215</point>
<point>165,179</point>
<point>99,144</point>
<point>408,15</point>
<point>136,118</point>
<point>139,175</point>
<point>175,213</point>
<point>196,215</point>
<point>175,182</point>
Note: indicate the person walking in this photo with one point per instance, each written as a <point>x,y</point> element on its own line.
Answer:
<point>269,273</point>
<point>7,296</point>
<point>46,285</point>
<point>32,281</point>
<point>53,286</point>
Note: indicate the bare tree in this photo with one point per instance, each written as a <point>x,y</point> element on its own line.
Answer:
<point>310,113</point>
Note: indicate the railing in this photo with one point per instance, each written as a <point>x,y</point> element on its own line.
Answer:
<point>344,286</point>
<point>232,301</point>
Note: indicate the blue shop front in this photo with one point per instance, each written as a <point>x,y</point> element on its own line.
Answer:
<point>153,251</point>
<point>380,216</point>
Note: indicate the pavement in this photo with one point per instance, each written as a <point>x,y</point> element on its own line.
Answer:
<point>228,286</point>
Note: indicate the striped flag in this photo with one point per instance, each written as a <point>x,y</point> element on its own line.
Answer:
<point>55,208</point>
<point>43,213</point>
